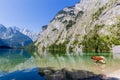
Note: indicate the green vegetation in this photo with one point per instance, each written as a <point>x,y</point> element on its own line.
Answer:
<point>65,21</point>
<point>94,42</point>
<point>98,13</point>
<point>79,14</point>
<point>62,12</point>
<point>75,41</point>
<point>31,48</point>
<point>118,25</point>
<point>58,47</point>
<point>60,18</point>
<point>54,29</point>
<point>97,44</point>
<point>115,41</point>
<point>70,24</point>
<point>44,27</point>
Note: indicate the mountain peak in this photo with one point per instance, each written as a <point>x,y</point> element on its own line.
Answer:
<point>12,37</point>
<point>25,31</point>
<point>2,28</point>
<point>29,33</point>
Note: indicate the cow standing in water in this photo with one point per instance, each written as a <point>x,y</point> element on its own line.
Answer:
<point>99,59</point>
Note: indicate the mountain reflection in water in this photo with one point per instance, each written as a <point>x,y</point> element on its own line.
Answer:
<point>78,62</point>
<point>16,60</point>
<point>28,74</point>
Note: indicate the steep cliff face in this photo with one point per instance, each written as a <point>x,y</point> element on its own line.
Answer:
<point>91,25</point>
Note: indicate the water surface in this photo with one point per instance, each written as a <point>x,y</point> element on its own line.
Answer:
<point>14,59</point>
<point>79,62</point>
<point>14,63</point>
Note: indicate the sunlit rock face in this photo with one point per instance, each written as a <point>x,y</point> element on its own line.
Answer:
<point>90,25</point>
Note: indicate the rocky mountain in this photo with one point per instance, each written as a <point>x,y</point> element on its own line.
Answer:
<point>27,32</point>
<point>12,37</point>
<point>90,25</point>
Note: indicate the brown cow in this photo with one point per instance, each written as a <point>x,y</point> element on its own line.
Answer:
<point>100,59</point>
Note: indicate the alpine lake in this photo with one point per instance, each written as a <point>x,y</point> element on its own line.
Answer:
<point>14,63</point>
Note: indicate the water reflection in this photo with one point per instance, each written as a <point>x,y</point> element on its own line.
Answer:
<point>78,61</point>
<point>14,59</point>
<point>116,55</point>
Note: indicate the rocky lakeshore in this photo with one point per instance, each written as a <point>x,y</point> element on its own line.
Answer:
<point>64,74</point>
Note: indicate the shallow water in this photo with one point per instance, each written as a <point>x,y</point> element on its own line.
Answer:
<point>11,60</point>
<point>80,62</point>
<point>18,60</point>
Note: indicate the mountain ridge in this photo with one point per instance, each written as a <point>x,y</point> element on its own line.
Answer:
<point>88,26</point>
<point>26,32</point>
<point>12,37</point>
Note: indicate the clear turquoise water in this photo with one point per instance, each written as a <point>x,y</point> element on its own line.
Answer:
<point>11,59</point>
<point>17,65</point>
<point>19,60</point>
<point>79,61</point>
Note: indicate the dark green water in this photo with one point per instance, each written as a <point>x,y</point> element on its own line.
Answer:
<point>14,60</point>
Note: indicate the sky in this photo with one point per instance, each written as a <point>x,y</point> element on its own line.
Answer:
<point>31,14</point>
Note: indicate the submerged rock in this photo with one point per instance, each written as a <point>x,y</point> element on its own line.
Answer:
<point>64,74</point>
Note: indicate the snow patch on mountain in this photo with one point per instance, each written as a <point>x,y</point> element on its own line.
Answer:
<point>26,32</point>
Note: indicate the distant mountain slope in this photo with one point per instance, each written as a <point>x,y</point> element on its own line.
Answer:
<point>26,32</point>
<point>90,25</point>
<point>12,37</point>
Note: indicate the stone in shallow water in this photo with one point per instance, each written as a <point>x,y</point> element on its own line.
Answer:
<point>64,74</point>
